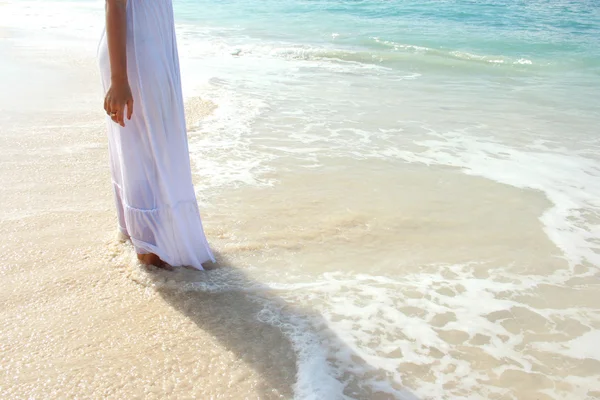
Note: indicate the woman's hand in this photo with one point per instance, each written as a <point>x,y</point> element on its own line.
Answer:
<point>118,96</point>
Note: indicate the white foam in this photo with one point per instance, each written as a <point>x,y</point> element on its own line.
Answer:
<point>315,379</point>
<point>363,334</point>
<point>220,148</point>
<point>582,347</point>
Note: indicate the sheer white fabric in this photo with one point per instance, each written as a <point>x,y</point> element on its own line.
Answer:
<point>149,159</point>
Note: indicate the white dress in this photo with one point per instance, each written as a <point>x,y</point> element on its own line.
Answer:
<point>149,159</point>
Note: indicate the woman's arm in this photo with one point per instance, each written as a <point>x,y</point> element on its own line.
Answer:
<point>116,32</point>
<point>119,94</point>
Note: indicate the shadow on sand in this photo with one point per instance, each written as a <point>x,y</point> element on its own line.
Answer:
<point>280,341</point>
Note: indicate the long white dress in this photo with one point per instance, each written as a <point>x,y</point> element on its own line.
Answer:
<point>149,159</point>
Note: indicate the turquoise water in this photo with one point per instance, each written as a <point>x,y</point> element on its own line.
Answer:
<point>519,72</point>
<point>526,57</point>
<point>557,35</point>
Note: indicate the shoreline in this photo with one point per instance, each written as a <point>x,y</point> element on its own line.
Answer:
<point>466,281</point>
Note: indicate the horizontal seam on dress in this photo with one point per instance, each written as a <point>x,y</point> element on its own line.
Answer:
<point>149,210</point>
<point>152,209</point>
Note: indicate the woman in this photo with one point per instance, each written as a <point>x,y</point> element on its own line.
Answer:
<point>150,166</point>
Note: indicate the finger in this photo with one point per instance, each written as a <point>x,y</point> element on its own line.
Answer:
<point>110,106</point>
<point>106,104</point>
<point>120,113</point>
<point>114,107</point>
<point>129,108</point>
<point>113,112</point>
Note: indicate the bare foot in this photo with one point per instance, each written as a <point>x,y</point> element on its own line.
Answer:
<point>153,259</point>
<point>121,237</point>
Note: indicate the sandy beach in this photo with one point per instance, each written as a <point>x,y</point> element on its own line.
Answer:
<point>80,317</point>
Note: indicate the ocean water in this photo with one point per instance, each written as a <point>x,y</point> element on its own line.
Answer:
<point>408,191</point>
<point>506,90</point>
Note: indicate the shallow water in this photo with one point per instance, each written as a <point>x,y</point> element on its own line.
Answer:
<point>396,213</point>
